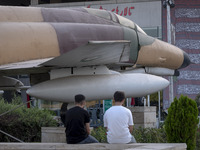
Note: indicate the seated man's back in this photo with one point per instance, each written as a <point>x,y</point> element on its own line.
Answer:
<point>119,121</point>
<point>77,123</point>
<point>76,118</point>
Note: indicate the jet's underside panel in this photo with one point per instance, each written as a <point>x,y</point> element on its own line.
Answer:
<point>95,53</point>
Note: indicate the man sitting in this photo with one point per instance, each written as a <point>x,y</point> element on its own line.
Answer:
<point>77,123</point>
<point>119,121</point>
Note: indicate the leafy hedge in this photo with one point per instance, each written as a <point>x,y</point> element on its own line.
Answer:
<point>150,135</point>
<point>100,134</point>
<point>197,99</point>
<point>142,135</point>
<point>198,139</point>
<point>23,123</point>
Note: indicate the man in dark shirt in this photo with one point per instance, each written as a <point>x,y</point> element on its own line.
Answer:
<point>77,123</point>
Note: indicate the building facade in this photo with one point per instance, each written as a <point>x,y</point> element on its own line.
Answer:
<point>185,19</point>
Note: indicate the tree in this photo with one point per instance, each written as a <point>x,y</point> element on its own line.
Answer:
<point>23,123</point>
<point>181,123</point>
<point>197,99</point>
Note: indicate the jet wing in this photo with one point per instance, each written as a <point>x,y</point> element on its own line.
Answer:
<point>93,53</point>
<point>25,67</point>
<point>24,64</point>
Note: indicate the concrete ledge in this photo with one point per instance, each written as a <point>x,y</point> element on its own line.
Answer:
<point>95,146</point>
<point>53,135</point>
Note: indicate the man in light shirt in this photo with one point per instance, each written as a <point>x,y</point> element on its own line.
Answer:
<point>119,121</point>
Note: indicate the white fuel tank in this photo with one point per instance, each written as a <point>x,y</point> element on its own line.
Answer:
<point>97,87</point>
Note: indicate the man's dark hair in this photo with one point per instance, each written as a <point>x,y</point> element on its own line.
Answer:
<point>79,98</point>
<point>119,96</point>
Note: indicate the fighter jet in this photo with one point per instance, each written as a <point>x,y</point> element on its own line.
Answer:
<point>69,51</point>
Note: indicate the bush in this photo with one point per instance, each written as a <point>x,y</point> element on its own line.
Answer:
<point>181,122</point>
<point>142,135</point>
<point>23,123</point>
<point>198,139</point>
<point>197,99</point>
<point>150,135</point>
<point>100,134</point>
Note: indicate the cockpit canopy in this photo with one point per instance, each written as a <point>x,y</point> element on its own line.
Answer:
<point>114,17</point>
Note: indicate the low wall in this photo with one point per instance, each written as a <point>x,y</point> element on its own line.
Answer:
<point>95,146</point>
<point>144,116</point>
<point>53,135</point>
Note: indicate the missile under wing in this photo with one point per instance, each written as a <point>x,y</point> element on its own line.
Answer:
<point>77,48</point>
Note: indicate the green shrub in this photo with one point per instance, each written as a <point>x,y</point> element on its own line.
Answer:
<point>100,134</point>
<point>181,122</point>
<point>198,139</point>
<point>23,123</point>
<point>150,135</point>
<point>197,99</point>
<point>142,135</point>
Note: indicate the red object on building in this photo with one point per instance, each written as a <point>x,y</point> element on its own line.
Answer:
<point>132,101</point>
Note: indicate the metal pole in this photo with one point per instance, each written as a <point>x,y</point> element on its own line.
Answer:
<point>171,86</point>
<point>145,101</point>
<point>148,97</point>
<point>158,109</point>
<point>12,136</point>
<point>168,24</point>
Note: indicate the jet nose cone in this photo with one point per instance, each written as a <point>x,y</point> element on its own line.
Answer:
<point>186,61</point>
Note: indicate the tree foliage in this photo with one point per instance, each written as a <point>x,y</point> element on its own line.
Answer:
<point>154,96</point>
<point>197,99</point>
<point>142,135</point>
<point>100,134</point>
<point>150,135</point>
<point>23,123</point>
<point>181,123</point>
